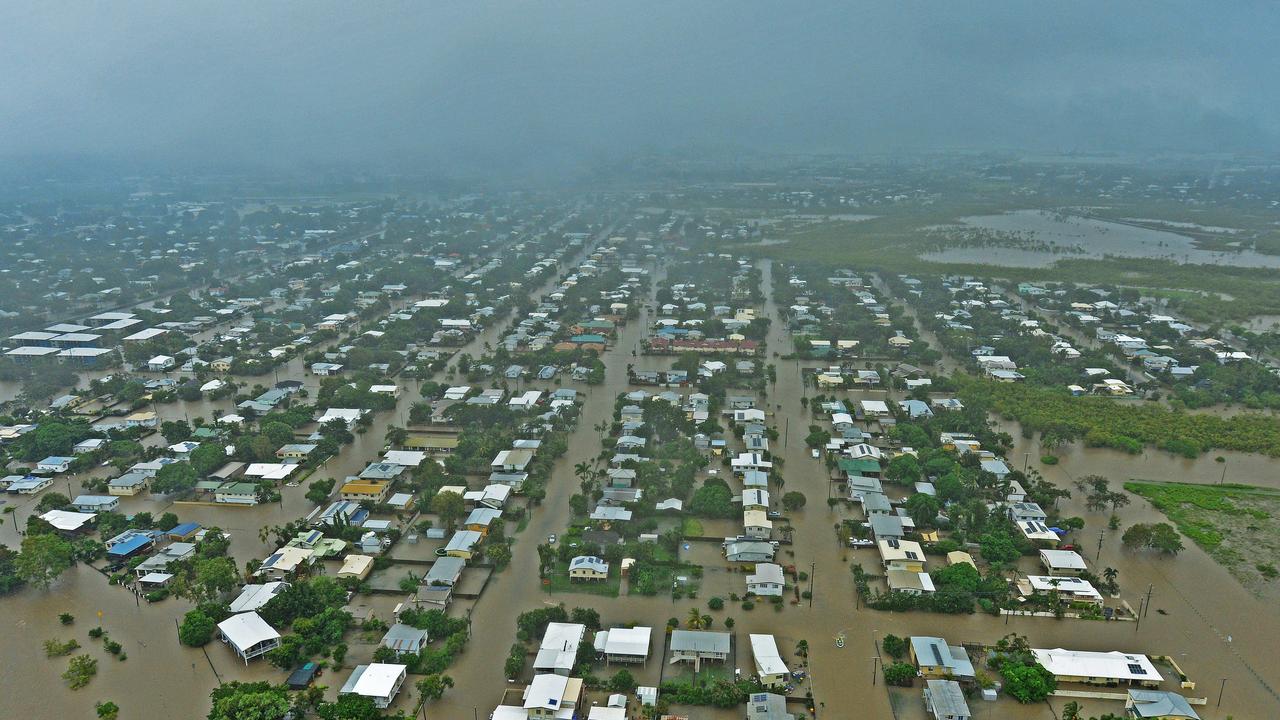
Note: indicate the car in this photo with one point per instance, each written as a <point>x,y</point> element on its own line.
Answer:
<point>814,453</point>
<point>551,539</point>
<point>713,471</point>
<point>774,514</point>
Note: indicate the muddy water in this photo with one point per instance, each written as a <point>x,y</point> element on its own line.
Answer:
<point>1087,237</point>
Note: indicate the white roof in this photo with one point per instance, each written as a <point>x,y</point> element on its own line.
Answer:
<point>1062,559</point>
<point>246,630</point>
<point>254,596</point>
<point>874,406</point>
<point>627,641</point>
<point>559,646</point>
<point>66,520</point>
<point>545,692</point>
<point>405,458</point>
<point>270,471</point>
<point>1110,665</point>
<point>765,651</point>
<point>607,713</point>
<point>379,679</point>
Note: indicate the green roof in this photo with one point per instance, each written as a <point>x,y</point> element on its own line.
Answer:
<point>859,466</point>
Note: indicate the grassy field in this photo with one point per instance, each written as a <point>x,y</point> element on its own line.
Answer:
<point>1238,525</point>
<point>893,241</point>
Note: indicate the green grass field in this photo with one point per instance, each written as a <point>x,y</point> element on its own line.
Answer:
<point>1238,525</point>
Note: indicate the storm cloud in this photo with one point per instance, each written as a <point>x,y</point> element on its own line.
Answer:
<point>521,82</point>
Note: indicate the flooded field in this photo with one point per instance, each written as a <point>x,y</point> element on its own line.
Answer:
<point>1057,236</point>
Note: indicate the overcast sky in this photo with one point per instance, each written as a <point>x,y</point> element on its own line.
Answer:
<point>186,82</point>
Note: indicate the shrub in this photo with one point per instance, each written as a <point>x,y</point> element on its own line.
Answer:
<point>196,629</point>
<point>895,646</point>
<point>716,603</point>
<point>900,674</point>
<point>80,671</point>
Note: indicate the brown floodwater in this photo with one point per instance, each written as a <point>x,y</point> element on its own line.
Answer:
<point>1202,616</point>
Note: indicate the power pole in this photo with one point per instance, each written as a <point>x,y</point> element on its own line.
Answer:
<point>1147,609</point>
<point>1221,688</point>
<point>813,569</point>
<point>1101,534</point>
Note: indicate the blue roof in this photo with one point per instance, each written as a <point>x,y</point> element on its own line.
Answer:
<point>185,528</point>
<point>129,546</point>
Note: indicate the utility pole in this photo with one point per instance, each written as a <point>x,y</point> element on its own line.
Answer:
<point>813,568</point>
<point>875,668</point>
<point>1101,534</point>
<point>1147,609</point>
<point>1221,688</point>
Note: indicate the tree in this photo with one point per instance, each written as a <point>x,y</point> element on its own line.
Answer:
<point>694,621</point>
<point>449,506</point>
<point>622,682</point>
<point>923,509</point>
<point>277,432</point>
<point>349,707</point>
<point>207,458</point>
<point>1136,537</point>
<point>1165,539</point>
<point>80,671</point>
<point>1071,711</point>
<point>212,577</point>
<point>432,687</point>
<point>998,548</point>
<point>174,478</point>
<point>52,501</point>
<point>43,558</point>
<point>196,629</point>
<point>499,553</point>
<point>319,490</point>
<point>793,501</point>
<point>713,500</point>
<point>894,646</point>
<point>1109,576</point>
<point>175,431</point>
<point>900,674</point>
<point>249,701</point>
<point>1028,683</point>
<point>10,580</point>
<point>903,470</point>
<point>107,710</point>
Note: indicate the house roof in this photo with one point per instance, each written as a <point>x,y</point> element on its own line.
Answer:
<point>935,652</point>
<point>1160,704</point>
<point>246,630</point>
<point>765,651</point>
<point>374,680</point>
<point>700,641</point>
<point>624,641</point>
<point>1112,665</point>
<point>254,596</point>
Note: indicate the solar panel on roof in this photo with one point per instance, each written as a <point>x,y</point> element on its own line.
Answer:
<point>937,654</point>
<point>1136,669</point>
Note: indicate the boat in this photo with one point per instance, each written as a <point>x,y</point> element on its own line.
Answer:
<point>840,640</point>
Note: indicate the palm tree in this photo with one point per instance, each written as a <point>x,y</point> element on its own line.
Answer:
<point>694,621</point>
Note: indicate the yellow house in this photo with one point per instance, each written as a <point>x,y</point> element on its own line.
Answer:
<point>371,491</point>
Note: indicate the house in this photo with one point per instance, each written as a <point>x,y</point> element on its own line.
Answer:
<point>481,519</point>
<point>697,646</point>
<point>325,369</point>
<point>934,658</point>
<point>610,514</point>
<point>29,485</point>
<point>770,668</point>
<point>95,503</point>
<point>160,363</point>
<point>902,554</point>
<point>552,696</point>
<point>909,582</point>
<point>767,580</point>
<point>436,587</point>
<point>768,706</point>
<point>756,524</point>
<point>511,461</point>
<point>886,527</point>
<point>588,567</point>
<point>628,645</point>
<point>462,544</point>
<point>248,635</point>
<point>944,699</point>
<point>1027,512</point>
<point>285,561</point>
<point>874,408</point>
<point>1072,589</point>
<point>356,566</point>
<point>746,550</point>
<point>68,522</point>
<point>558,651</point>
<point>237,493</point>
<point>295,451</point>
<point>173,552</point>
<point>128,544</point>
<point>1062,562</point>
<point>368,491</point>
<point>54,464</point>
<point>1158,705</point>
<point>254,596</point>
<point>378,681</point>
<point>1098,668</point>
<point>402,639</point>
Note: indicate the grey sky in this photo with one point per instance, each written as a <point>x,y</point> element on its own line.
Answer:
<point>524,82</point>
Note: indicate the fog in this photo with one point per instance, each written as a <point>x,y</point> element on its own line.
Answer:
<point>508,84</point>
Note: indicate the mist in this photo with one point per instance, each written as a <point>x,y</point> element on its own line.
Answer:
<point>518,85</point>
